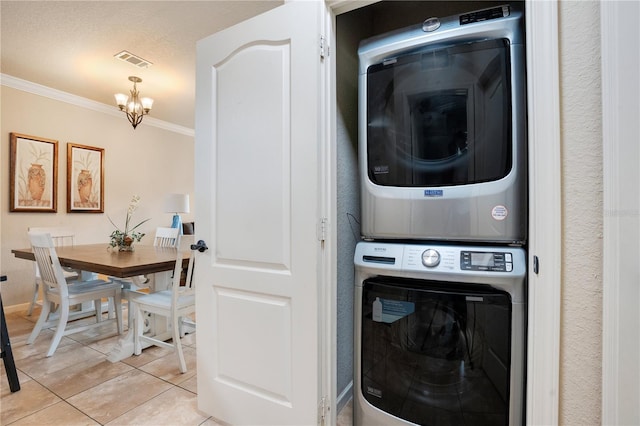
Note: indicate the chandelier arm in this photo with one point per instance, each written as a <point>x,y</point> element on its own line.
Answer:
<point>135,119</point>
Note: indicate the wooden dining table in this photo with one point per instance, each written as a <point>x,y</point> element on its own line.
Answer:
<point>102,259</point>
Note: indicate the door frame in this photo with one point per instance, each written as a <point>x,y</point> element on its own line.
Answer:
<point>545,220</point>
<point>545,223</point>
<point>620,195</point>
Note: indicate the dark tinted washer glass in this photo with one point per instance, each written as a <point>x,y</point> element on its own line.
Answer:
<point>437,361</point>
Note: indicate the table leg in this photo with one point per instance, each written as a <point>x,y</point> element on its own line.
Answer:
<point>157,325</point>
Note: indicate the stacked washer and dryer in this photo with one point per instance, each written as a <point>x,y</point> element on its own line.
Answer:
<point>440,291</point>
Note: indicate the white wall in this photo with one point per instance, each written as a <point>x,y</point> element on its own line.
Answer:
<point>581,154</point>
<point>148,161</point>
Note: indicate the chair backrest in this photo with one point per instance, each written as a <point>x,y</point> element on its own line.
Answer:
<point>167,237</point>
<point>48,263</point>
<point>61,236</point>
<point>188,228</point>
<point>187,286</point>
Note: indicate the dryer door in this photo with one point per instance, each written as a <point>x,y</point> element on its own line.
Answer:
<point>440,117</point>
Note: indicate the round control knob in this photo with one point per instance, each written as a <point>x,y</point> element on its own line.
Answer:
<point>430,258</point>
<point>430,24</point>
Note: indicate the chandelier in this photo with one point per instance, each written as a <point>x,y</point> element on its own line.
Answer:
<point>135,107</point>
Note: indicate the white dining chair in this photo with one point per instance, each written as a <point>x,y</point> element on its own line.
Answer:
<point>164,237</point>
<point>176,304</point>
<point>167,237</point>
<point>61,237</point>
<point>56,291</point>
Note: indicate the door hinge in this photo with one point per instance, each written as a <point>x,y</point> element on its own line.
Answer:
<point>322,409</point>
<point>324,48</point>
<point>323,224</point>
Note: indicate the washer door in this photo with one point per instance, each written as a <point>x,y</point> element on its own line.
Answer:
<point>433,351</point>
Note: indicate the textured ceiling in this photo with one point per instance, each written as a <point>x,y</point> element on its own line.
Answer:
<point>70,46</point>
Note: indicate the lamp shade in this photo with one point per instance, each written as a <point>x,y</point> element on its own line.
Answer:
<point>176,203</point>
<point>121,100</point>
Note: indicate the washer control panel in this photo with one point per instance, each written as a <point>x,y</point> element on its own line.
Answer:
<point>442,259</point>
<point>503,267</point>
<point>486,261</point>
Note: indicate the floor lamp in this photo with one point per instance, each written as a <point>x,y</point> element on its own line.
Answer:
<point>176,204</point>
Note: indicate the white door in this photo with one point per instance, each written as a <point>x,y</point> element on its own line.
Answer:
<point>258,207</point>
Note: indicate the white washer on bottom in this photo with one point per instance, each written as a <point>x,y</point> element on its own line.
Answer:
<point>439,334</point>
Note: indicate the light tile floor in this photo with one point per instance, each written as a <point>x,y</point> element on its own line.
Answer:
<point>79,386</point>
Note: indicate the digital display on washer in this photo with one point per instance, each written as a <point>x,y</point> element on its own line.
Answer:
<point>482,259</point>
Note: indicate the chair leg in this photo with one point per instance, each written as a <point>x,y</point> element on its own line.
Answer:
<point>7,353</point>
<point>181,328</point>
<point>177,343</point>
<point>110,309</point>
<point>42,319</point>
<point>97,303</point>
<point>62,324</point>
<point>34,300</point>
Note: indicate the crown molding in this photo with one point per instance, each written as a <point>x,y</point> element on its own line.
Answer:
<point>58,95</point>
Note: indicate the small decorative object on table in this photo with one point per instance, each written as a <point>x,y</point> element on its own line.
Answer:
<point>123,239</point>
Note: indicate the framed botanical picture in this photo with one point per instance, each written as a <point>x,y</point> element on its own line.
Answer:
<point>85,179</point>
<point>33,172</point>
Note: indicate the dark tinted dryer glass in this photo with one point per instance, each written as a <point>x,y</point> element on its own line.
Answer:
<point>440,117</point>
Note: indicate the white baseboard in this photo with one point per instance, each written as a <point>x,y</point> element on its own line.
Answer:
<point>17,308</point>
